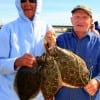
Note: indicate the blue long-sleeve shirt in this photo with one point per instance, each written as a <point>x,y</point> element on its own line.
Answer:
<point>87,48</point>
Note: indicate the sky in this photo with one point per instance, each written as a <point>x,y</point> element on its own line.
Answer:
<point>55,12</point>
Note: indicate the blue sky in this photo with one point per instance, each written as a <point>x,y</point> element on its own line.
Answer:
<point>53,11</point>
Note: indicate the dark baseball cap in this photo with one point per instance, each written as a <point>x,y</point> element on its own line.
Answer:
<point>87,9</point>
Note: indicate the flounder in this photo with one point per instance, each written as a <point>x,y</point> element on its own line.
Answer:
<point>27,82</point>
<point>57,67</point>
<point>73,68</point>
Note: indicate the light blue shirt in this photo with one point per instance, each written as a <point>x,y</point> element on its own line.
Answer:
<point>17,38</point>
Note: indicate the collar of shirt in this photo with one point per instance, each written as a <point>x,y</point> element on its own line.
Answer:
<point>88,34</point>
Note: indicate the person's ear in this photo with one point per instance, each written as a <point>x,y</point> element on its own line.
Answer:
<point>91,22</point>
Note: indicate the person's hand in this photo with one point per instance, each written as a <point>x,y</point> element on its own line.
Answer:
<point>92,87</point>
<point>25,60</point>
<point>50,38</point>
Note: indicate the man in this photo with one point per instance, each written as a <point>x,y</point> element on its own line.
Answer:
<point>87,45</point>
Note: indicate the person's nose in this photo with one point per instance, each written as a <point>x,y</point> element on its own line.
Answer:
<point>27,1</point>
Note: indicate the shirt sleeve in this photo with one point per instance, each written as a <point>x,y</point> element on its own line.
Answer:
<point>6,63</point>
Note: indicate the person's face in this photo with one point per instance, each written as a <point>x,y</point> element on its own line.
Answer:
<point>29,8</point>
<point>81,21</point>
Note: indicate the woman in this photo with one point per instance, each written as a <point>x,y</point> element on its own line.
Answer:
<point>20,41</point>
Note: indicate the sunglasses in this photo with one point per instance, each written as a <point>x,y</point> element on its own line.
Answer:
<point>31,1</point>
